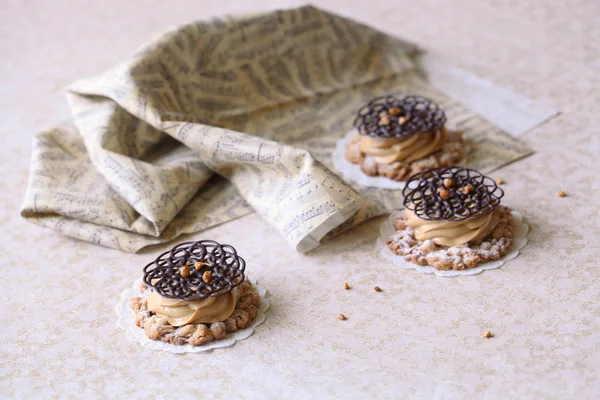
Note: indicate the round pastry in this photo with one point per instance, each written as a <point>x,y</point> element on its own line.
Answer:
<point>398,137</point>
<point>453,220</point>
<point>195,293</point>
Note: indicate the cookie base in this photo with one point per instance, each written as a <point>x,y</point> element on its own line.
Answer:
<point>157,328</point>
<point>448,156</point>
<point>443,258</point>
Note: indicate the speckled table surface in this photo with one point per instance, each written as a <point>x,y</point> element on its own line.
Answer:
<point>421,336</point>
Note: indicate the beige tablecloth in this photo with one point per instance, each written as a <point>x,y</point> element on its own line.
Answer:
<point>421,336</point>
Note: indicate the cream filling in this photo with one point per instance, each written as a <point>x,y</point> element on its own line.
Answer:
<point>180,312</point>
<point>453,233</point>
<point>408,149</point>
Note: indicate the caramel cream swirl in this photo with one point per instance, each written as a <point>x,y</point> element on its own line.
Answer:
<point>453,233</point>
<point>407,149</point>
<point>181,312</point>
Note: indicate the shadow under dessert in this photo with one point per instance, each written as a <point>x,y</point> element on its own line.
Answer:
<point>398,137</point>
<point>195,293</point>
<point>453,220</point>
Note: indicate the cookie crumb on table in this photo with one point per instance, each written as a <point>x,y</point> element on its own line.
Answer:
<point>561,193</point>
<point>377,289</point>
<point>341,317</point>
<point>487,334</point>
<point>499,181</point>
<point>346,286</point>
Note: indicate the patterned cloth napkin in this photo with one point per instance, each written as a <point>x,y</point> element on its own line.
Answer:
<point>219,118</point>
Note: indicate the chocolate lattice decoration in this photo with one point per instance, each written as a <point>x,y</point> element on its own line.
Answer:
<point>392,117</point>
<point>451,194</point>
<point>225,267</point>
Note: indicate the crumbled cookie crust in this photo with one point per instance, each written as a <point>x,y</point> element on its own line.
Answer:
<point>465,256</point>
<point>158,328</point>
<point>449,155</point>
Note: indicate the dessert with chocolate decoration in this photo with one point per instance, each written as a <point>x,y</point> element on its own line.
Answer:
<point>195,293</point>
<point>398,137</point>
<point>453,220</point>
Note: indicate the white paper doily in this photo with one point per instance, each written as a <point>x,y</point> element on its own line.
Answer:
<point>519,241</point>
<point>126,321</point>
<point>352,173</point>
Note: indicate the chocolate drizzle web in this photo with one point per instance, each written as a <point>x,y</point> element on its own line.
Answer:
<point>392,117</point>
<point>451,194</point>
<point>221,260</point>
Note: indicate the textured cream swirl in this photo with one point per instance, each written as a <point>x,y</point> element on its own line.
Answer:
<point>450,233</point>
<point>180,312</point>
<point>408,149</point>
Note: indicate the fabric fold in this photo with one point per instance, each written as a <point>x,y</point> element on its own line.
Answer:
<point>217,119</point>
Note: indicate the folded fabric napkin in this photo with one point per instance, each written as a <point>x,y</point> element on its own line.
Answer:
<point>217,119</point>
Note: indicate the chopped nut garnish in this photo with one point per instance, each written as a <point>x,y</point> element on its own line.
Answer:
<point>448,183</point>
<point>467,189</point>
<point>341,317</point>
<point>377,289</point>
<point>394,111</point>
<point>444,194</point>
<point>384,120</point>
<point>207,276</point>
<point>346,286</point>
<point>199,265</point>
<point>185,271</point>
<point>402,120</point>
<point>487,334</point>
<point>561,193</point>
<point>499,181</point>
